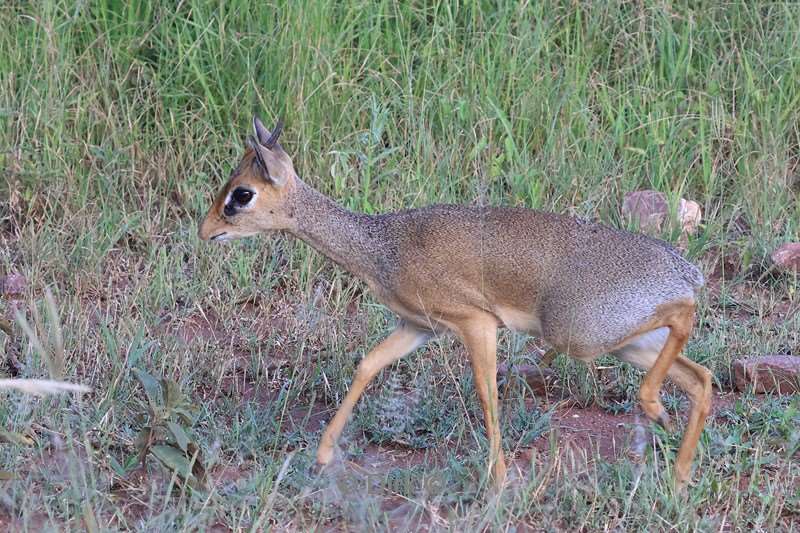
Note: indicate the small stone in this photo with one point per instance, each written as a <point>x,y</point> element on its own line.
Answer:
<point>690,215</point>
<point>787,257</point>
<point>768,373</point>
<point>12,284</point>
<point>651,209</point>
<point>542,381</point>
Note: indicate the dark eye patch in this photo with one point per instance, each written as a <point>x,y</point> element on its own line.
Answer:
<point>242,196</point>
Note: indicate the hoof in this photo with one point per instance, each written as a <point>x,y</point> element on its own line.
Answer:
<point>317,469</point>
<point>682,478</point>
<point>497,474</point>
<point>664,420</point>
<point>326,455</point>
<point>655,411</point>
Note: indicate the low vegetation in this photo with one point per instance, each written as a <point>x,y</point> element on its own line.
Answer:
<point>213,368</point>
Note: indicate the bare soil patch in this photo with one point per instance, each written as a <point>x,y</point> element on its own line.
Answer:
<point>591,429</point>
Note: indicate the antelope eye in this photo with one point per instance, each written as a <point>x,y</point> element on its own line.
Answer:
<point>242,196</point>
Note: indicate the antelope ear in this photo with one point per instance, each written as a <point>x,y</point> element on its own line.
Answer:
<point>261,133</point>
<point>263,156</point>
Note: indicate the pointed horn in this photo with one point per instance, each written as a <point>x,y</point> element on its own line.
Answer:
<point>273,139</point>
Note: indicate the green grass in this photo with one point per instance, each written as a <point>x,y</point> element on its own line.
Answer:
<point>118,121</point>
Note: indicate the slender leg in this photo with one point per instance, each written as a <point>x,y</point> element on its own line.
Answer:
<point>402,341</point>
<point>695,380</point>
<point>480,338</point>
<point>692,378</point>
<point>680,325</point>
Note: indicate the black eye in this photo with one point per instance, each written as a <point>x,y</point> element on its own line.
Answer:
<point>242,196</point>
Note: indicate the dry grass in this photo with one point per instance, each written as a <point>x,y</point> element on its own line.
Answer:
<point>119,120</point>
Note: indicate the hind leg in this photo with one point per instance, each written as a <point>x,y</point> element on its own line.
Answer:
<point>649,393</point>
<point>678,317</point>
<point>642,352</point>
<point>658,351</point>
<point>695,380</point>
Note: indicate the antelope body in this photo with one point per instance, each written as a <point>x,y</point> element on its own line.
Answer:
<point>585,288</point>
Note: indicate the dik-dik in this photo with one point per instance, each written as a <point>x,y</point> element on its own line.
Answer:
<point>584,288</point>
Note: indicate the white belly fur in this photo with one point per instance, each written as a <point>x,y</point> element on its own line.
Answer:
<point>642,351</point>
<point>521,321</point>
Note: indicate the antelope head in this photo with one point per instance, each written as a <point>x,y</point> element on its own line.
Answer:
<point>254,199</point>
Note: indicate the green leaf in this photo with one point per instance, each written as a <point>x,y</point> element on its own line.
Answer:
<point>152,389</point>
<point>173,395</point>
<point>138,348</point>
<point>174,459</point>
<point>130,462</point>
<point>115,466</point>
<point>12,437</point>
<point>143,437</point>
<point>142,443</point>
<point>179,435</point>
<point>184,414</point>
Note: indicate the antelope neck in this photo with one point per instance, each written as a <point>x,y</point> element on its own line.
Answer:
<point>349,239</point>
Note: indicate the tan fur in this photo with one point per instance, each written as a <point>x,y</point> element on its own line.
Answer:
<point>585,288</point>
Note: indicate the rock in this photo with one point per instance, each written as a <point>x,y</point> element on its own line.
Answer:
<point>542,381</point>
<point>651,209</point>
<point>787,257</point>
<point>690,215</point>
<point>768,373</point>
<point>12,284</point>
<point>647,207</point>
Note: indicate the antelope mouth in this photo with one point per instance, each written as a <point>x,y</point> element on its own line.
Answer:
<point>219,236</point>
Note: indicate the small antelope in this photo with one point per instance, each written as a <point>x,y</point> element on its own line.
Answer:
<point>585,288</point>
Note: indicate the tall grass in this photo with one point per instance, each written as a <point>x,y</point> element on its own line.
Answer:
<point>118,120</point>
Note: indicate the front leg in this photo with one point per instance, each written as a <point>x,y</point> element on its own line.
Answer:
<point>402,341</point>
<point>480,338</point>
